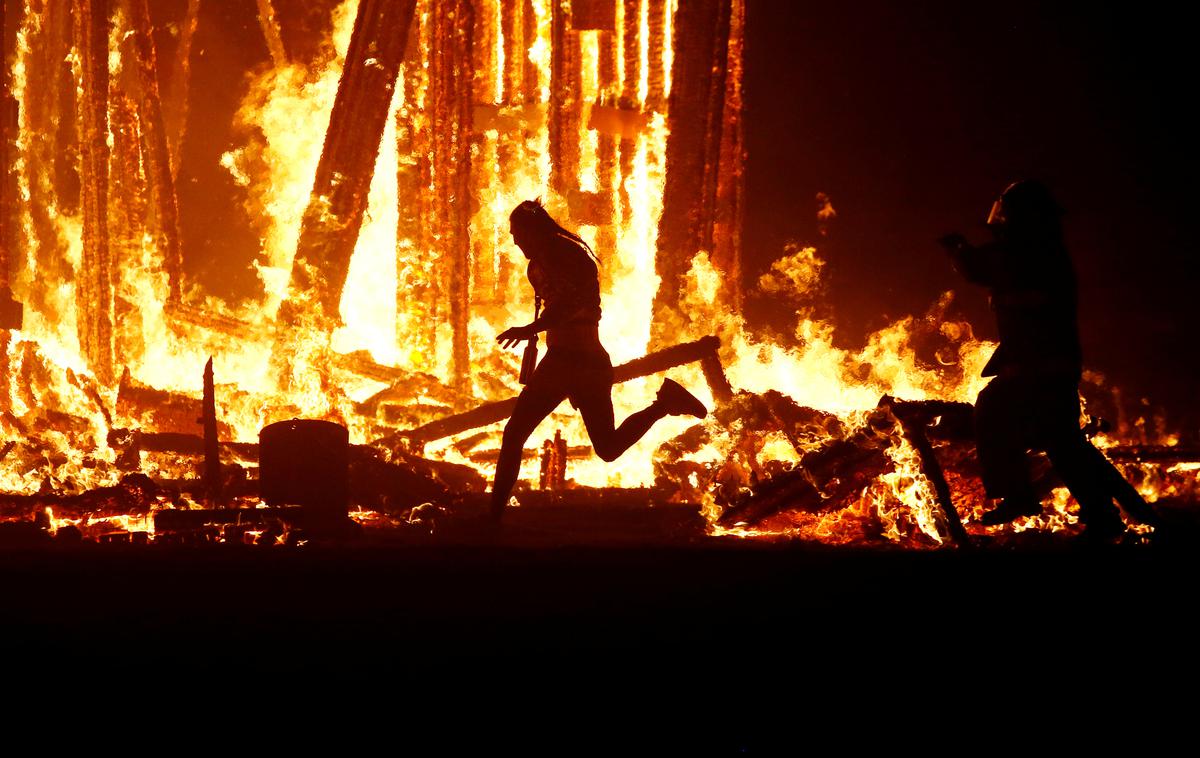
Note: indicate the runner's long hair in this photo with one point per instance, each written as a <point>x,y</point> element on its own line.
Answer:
<point>531,216</point>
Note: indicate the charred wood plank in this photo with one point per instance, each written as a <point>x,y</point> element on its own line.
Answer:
<point>1153,454</point>
<point>667,358</point>
<point>825,479</point>
<point>154,409</point>
<point>914,425</point>
<point>212,445</point>
<point>182,520</point>
<point>178,443</point>
<point>714,374</point>
<point>135,494</point>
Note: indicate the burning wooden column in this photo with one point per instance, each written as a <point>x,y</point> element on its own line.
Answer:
<point>656,77</point>
<point>728,183</point>
<point>417,291</point>
<point>94,279</point>
<point>486,171</point>
<point>564,100</point>
<point>449,108</point>
<point>175,104</point>
<point>697,117</point>
<point>329,230</point>
<point>44,126</point>
<point>520,94</point>
<point>600,18</point>
<point>10,310</point>
<point>157,153</point>
<point>271,33</point>
<point>630,41</point>
<point>128,201</point>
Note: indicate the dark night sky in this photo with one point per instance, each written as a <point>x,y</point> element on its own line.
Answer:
<point>913,116</point>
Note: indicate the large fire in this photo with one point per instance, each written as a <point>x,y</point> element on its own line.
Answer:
<point>490,103</point>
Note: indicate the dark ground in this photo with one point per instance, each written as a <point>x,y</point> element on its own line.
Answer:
<point>592,627</point>
<point>731,620</point>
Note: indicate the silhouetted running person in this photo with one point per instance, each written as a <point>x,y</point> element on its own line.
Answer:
<point>1033,401</point>
<point>576,366</point>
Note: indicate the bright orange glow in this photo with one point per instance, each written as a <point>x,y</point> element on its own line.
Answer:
<point>62,419</point>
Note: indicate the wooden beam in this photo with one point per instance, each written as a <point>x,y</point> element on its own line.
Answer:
<point>212,443</point>
<point>565,90</point>
<point>695,112</point>
<point>8,185</point>
<point>329,229</point>
<point>450,113</point>
<point>491,413</point>
<point>94,279</point>
<point>175,105</point>
<point>914,425</point>
<point>271,33</point>
<point>156,149</point>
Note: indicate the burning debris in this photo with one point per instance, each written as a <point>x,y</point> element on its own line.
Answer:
<point>373,155</point>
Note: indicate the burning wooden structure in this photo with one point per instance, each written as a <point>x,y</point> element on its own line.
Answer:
<point>478,105</point>
<point>336,240</point>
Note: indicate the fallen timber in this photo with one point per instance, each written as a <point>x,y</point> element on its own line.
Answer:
<point>704,350</point>
<point>915,419</point>
<point>829,476</point>
<point>1166,454</point>
<point>135,494</point>
<point>381,480</point>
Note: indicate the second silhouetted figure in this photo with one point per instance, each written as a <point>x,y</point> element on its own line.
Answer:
<point>1033,400</point>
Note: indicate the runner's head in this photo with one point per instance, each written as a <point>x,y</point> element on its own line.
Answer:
<point>533,229</point>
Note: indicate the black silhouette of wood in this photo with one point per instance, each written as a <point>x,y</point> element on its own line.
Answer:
<point>212,444</point>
